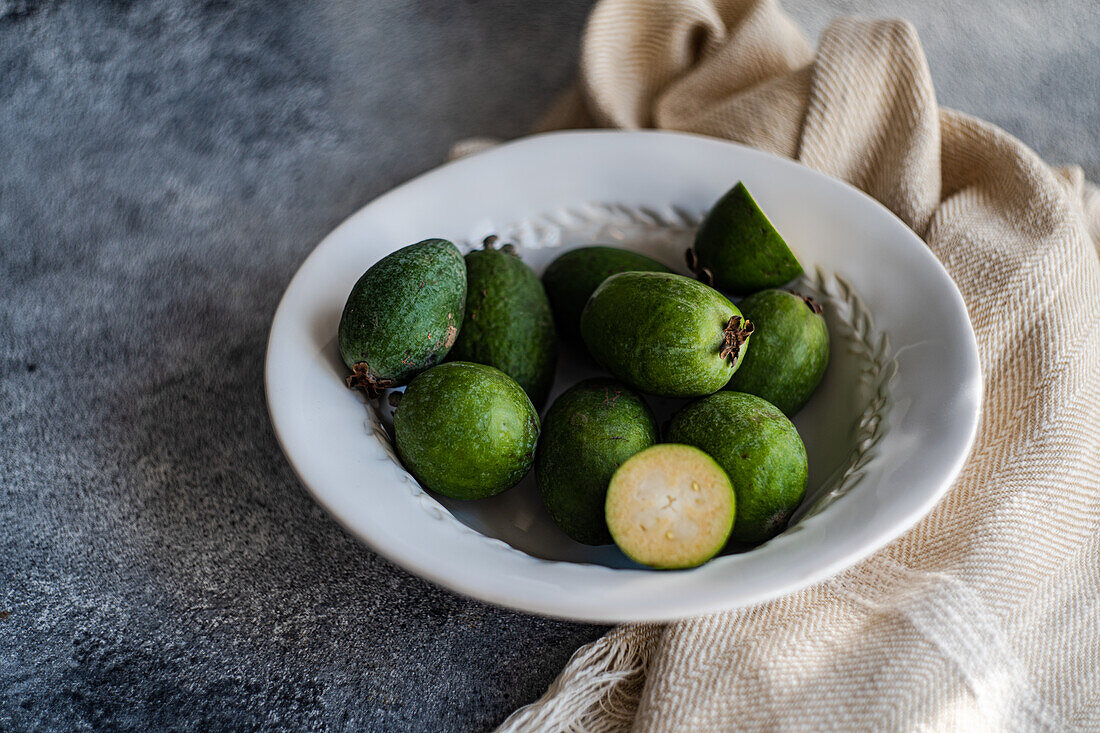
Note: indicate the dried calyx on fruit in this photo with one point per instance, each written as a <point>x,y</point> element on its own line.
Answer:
<point>735,335</point>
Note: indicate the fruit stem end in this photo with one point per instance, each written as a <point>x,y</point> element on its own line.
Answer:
<point>734,336</point>
<point>812,304</point>
<point>361,378</point>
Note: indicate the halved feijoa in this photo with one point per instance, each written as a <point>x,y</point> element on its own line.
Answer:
<point>670,506</point>
<point>508,322</point>
<point>738,250</point>
<point>790,349</point>
<point>466,430</point>
<point>586,435</point>
<point>403,315</point>
<point>759,449</point>
<point>571,279</point>
<point>665,334</point>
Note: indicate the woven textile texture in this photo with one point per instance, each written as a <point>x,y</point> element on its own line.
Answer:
<point>985,616</point>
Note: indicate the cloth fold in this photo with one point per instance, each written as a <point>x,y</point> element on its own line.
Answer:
<point>985,616</point>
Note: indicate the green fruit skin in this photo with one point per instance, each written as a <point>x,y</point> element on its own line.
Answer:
<point>760,450</point>
<point>465,430</point>
<point>403,314</point>
<point>586,435</point>
<point>661,333</point>
<point>572,278</point>
<point>508,322</point>
<point>790,350</point>
<point>741,248</point>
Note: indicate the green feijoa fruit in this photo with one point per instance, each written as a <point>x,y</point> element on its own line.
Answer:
<point>737,249</point>
<point>586,435</point>
<point>403,315</point>
<point>465,430</point>
<point>790,349</point>
<point>760,450</point>
<point>670,506</point>
<point>508,323</point>
<point>572,278</point>
<point>665,334</point>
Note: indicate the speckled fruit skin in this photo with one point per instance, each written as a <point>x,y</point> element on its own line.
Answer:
<point>465,430</point>
<point>508,322</point>
<point>586,435</point>
<point>662,333</point>
<point>572,278</point>
<point>403,315</point>
<point>740,248</point>
<point>760,450</point>
<point>790,349</point>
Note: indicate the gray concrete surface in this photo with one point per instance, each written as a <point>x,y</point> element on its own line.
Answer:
<point>164,168</point>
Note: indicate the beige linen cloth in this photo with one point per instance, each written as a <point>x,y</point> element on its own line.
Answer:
<point>986,616</point>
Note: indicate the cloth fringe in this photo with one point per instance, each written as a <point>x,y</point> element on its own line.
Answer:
<point>598,690</point>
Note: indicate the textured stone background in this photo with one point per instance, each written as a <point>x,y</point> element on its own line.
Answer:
<point>164,168</point>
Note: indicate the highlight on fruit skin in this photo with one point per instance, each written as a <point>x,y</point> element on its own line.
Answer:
<point>737,248</point>
<point>670,506</point>
<point>402,316</point>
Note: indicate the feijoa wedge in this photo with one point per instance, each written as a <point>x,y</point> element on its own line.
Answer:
<point>790,349</point>
<point>586,435</point>
<point>572,278</point>
<point>759,449</point>
<point>403,315</point>
<point>737,249</point>
<point>508,322</point>
<point>665,334</point>
<point>466,430</point>
<point>670,506</point>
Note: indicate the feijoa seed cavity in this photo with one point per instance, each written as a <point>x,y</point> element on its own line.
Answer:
<point>670,506</point>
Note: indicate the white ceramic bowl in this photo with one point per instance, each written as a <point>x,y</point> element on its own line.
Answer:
<point>886,433</point>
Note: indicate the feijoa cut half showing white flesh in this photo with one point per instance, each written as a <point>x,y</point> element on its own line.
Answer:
<point>670,506</point>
